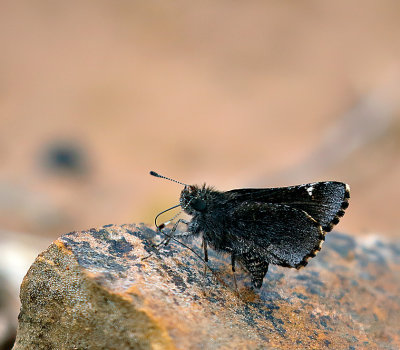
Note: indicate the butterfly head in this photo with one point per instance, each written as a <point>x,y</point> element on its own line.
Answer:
<point>193,199</point>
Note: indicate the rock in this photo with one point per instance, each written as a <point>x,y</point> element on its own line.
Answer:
<point>92,290</point>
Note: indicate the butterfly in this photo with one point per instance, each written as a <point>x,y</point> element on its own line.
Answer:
<point>284,226</point>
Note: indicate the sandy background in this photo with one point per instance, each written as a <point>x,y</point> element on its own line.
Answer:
<point>93,95</point>
<point>229,93</point>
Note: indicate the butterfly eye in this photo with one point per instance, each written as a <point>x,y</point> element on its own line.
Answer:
<point>199,204</point>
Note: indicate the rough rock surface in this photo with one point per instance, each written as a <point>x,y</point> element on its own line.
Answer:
<point>92,290</point>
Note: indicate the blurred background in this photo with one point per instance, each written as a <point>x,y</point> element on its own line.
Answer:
<point>93,95</point>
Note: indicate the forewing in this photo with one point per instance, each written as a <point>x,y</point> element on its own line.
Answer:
<point>277,233</point>
<point>323,201</point>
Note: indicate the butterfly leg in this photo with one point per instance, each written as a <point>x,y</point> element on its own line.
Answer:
<point>233,259</point>
<point>167,239</point>
<point>204,244</point>
<point>169,236</point>
<point>205,250</point>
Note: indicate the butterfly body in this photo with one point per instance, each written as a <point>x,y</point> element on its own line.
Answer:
<point>283,226</point>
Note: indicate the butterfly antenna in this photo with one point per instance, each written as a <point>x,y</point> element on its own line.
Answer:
<point>167,178</point>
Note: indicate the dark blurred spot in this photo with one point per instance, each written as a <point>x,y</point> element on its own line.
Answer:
<point>8,342</point>
<point>7,330</point>
<point>65,158</point>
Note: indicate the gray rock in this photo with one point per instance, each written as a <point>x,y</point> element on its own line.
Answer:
<point>92,290</point>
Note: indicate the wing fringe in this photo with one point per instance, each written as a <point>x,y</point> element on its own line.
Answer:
<point>327,228</point>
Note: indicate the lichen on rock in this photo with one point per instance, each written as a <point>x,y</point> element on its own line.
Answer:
<point>93,290</point>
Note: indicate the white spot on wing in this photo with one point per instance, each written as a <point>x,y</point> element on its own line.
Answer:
<point>310,190</point>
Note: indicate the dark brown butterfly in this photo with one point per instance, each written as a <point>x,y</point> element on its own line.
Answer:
<point>284,226</point>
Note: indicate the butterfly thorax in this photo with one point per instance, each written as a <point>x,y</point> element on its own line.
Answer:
<point>208,210</point>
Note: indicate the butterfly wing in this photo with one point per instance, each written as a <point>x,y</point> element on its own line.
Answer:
<point>274,233</point>
<point>325,202</point>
